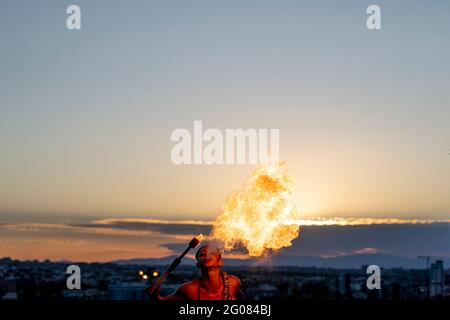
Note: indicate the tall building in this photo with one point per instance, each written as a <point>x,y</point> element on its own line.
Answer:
<point>437,279</point>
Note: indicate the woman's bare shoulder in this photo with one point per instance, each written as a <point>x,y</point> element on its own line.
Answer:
<point>189,285</point>
<point>189,289</point>
<point>234,281</point>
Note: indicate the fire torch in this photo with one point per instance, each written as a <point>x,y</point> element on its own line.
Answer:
<point>192,244</point>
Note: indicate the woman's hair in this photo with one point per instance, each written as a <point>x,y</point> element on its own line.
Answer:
<point>219,251</point>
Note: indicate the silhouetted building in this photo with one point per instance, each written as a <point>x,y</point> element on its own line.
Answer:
<point>348,286</point>
<point>437,279</point>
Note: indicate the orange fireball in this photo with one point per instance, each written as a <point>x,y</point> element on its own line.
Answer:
<point>261,217</point>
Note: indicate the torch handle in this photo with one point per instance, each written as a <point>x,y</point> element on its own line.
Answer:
<point>156,283</point>
<point>161,278</point>
<point>172,267</point>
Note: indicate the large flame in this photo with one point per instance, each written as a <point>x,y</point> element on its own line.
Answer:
<point>261,217</point>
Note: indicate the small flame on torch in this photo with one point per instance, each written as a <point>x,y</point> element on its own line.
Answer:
<point>200,237</point>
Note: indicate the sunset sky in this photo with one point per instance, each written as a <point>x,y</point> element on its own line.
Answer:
<point>86,116</point>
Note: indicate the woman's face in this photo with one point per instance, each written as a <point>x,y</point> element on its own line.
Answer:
<point>209,257</point>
